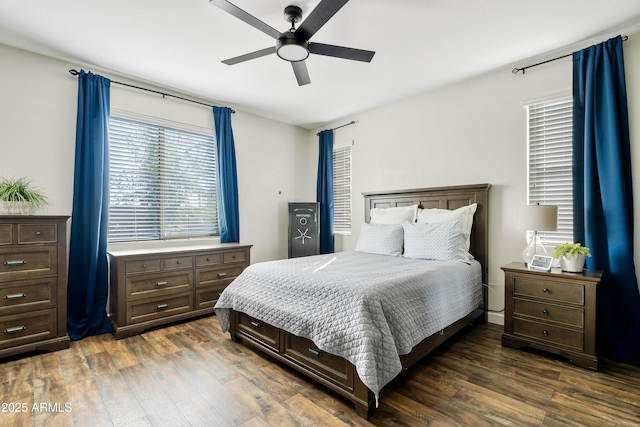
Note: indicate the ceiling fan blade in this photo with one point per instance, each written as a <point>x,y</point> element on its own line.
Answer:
<point>249,56</point>
<point>318,17</point>
<point>244,16</point>
<point>341,52</point>
<point>300,70</point>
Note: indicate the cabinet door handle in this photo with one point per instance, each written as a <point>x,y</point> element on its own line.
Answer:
<point>162,283</point>
<point>161,306</point>
<point>15,329</point>
<point>545,290</point>
<point>15,296</point>
<point>315,351</point>
<point>17,262</point>
<point>255,324</point>
<point>222,275</point>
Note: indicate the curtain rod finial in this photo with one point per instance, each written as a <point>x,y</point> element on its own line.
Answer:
<point>73,72</point>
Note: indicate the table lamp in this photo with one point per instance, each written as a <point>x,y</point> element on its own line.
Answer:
<point>536,218</point>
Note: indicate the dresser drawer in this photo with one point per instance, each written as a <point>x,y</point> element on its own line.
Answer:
<point>143,266</point>
<point>37,233</point>
<point>6,234</point>
<point>235,256</point>
<point>327,365</point>
<point>28,294</point>
<point>208,259</point>
<point>208,297</point>
<point>544,311</point>
<point>217,277</point>
<point>548,289</point>
<point>28,261</point>
<point>266,334</point>
<point>551,334</point>
<point>24,328</point>
<point>157,284</point>
<point>177,263</point>
<point>149,309</point>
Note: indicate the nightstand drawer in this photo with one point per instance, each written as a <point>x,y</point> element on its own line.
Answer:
<point>37,233</point>
<point>151,285</point>
<point>263,332</point>
<point>548,289</point>
<point>552,334</point>
<point>149,309</point>
<point>545,311</point>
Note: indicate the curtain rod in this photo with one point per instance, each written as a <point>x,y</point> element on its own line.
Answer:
<point>352,122</point>
<point>516,70</point>
<point>76,72</point>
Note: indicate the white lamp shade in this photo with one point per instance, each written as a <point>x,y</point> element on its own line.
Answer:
<point>538,217</point>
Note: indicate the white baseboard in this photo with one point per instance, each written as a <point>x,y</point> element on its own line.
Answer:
<point>497,318</point>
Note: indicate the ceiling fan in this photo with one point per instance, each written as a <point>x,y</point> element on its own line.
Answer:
<point>294,45</point>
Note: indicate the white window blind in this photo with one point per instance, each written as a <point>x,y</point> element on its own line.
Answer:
<point>342,189</point>
<point>550,180</point>
<point>162,182</point>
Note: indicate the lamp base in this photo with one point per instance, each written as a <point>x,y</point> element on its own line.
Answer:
<point>534,247</point>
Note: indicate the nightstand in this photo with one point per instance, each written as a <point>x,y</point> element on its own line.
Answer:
<point>552,311</point>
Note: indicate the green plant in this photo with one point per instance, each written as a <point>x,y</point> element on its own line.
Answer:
<point>21,190</point>
<point>571,250</point>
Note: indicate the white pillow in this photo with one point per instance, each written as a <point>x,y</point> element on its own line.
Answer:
<point>396,215</point>
<point>383,239</point>
<point>463,214</point>
<point>441,241</point>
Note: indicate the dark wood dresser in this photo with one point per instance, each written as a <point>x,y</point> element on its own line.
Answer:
<point>552,311</point>
<point>33,283</point>
<point>152,287</point>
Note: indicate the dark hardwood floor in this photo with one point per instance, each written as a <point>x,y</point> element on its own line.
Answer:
<point>191,374</point>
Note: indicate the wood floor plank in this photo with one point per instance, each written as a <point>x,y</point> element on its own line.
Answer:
<point>192,374</point>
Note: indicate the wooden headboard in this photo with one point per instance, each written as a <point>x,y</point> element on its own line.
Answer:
<point>444,198</point>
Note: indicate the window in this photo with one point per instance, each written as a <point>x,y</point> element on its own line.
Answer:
<point>162,182</point>
<point>550,180</point>
<point>342,189</point>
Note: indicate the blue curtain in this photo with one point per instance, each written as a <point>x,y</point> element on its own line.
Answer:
<point>603,200</point>
<point>324,191</point>
<point>227,177</point>
<point>87,287</point>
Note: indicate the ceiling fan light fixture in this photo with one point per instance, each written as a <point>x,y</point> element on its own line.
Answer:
<point>291,49</point>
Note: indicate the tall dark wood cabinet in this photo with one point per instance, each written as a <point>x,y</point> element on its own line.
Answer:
<point>304,229</point>
<point>33,283</point>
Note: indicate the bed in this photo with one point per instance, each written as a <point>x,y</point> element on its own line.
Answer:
<point>354,320</point>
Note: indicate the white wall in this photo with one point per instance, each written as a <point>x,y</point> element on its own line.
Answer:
<point>38,101</point>
<point>469,133</point>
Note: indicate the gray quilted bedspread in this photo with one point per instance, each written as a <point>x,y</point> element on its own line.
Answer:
<point>366,308</point>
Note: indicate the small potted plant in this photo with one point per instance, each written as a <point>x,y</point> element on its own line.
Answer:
<point>572,256</point>
<point>18,196</point>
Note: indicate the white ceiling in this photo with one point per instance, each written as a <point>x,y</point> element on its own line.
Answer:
<point>420,45</point>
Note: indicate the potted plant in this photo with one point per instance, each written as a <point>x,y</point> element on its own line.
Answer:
<point>572,256</point>
<point>18,196</point>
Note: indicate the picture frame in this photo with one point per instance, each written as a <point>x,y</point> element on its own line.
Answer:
<point>541,262</point>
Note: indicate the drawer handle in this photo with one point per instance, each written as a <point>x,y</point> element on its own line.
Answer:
<point>222,274</point>
<point>545,311</point>
<point>144,265</point>
<point>219,295</point>
<point>255,324</point>
<point>161,306</point>
<point>15,296</point>
<point>15,329</point>
<point>545,290</point>
<point>208,259</point>
<point>545,332</point>
<point>315,351</point>
<point>178,262</point>
<point>162,283</point>
<point>20,262</point>
<point>38,233</point>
